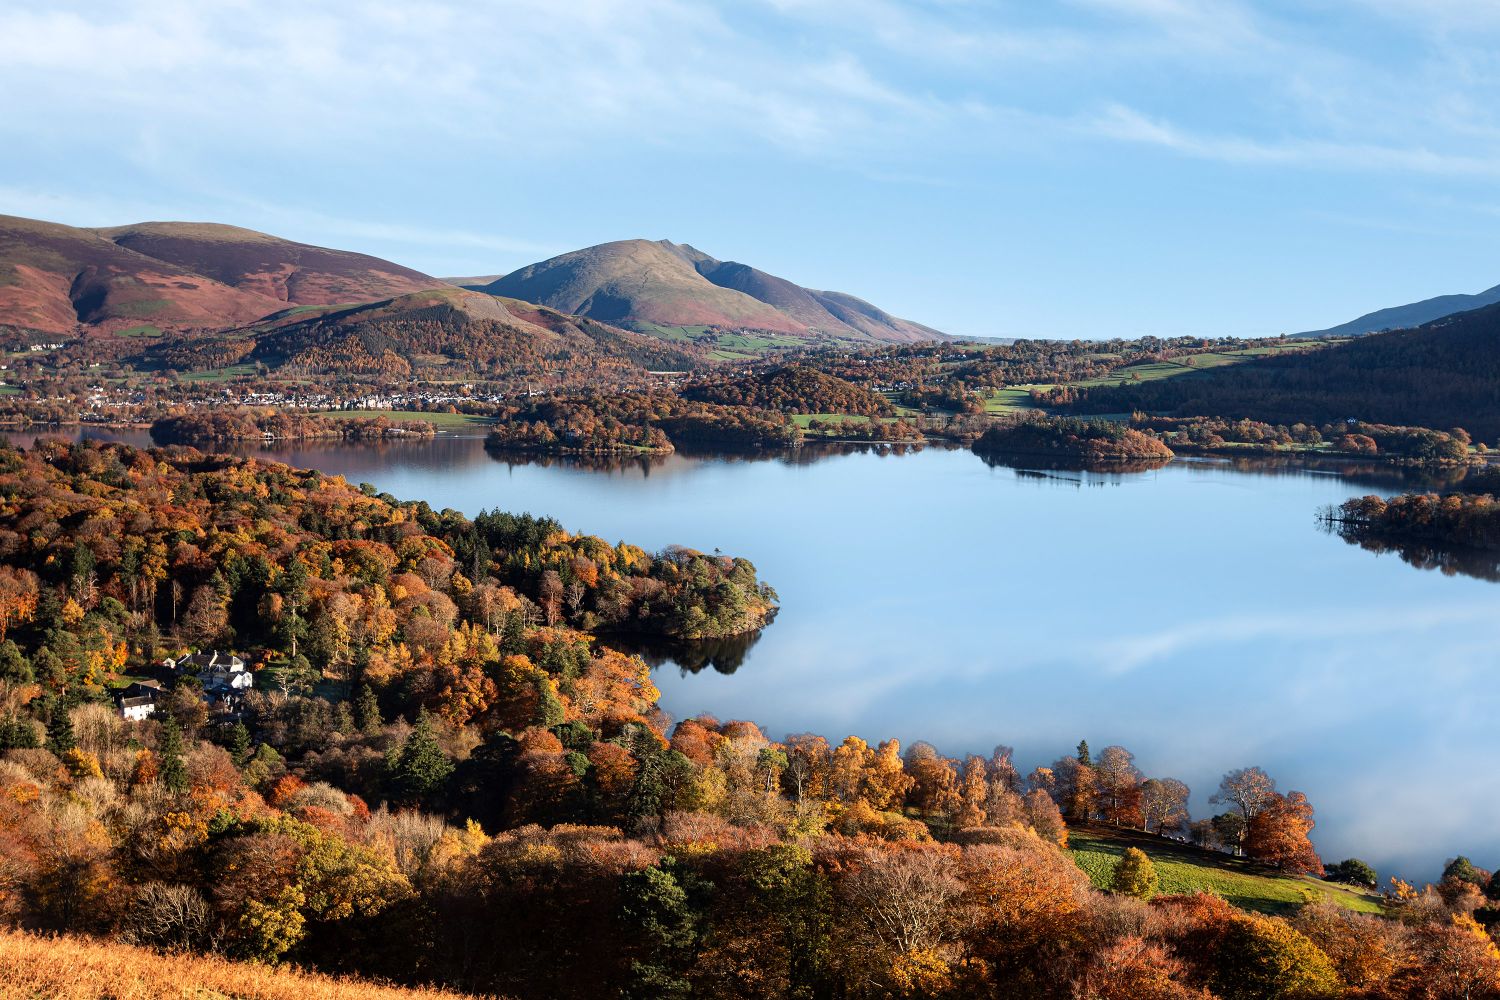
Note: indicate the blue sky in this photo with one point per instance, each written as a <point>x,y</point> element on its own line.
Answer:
<point>1003,168</point>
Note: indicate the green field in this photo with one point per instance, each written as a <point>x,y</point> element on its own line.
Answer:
<point>1183,868</point>
<point>442,421</point>
<point>218,374</point>
<point>1011,399</point>
<point>144,330</point>
<point>723,346</point>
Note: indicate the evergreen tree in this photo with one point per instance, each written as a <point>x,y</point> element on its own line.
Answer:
<point>656,909</point>
<point>419,768</point>
<point>549,707</point>
<point>60,738</point>
<point>1461,869</point>
<point>1355,872</point>
<point>172,772</point>
<point>661,774</point>
<point>239,744</point>
<point>343,719</point>
<point>1083,754</point>
<point>14,667</point>
<point>367,711</point>
<point>17,734</point>
<point>1135,875</point>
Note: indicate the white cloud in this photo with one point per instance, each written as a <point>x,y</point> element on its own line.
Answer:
<point>1129,125</point>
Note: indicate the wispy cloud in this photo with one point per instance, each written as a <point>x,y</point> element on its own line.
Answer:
<point>1129,125</point>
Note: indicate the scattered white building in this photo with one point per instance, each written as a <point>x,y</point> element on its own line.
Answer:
<point>218,672</point>
<point>137,700</point>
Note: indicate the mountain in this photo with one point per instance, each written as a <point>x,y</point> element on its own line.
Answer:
<point>1442,374</point>
<point>179,275</point>
<point>284,270</point>
<point>55,277</point>
<point>443,333</point>
<point>1410,315</point>
<point>647,285</point>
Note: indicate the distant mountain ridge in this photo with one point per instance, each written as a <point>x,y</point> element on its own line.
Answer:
<point>55,278</point>
<point>1410,315</point>
<point>647,284</point>
<point>180,276</point>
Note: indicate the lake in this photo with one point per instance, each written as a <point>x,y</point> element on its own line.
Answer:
<point>1195,614</point>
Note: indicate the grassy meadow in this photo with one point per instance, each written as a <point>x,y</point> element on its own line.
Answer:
<point>1184,868</point>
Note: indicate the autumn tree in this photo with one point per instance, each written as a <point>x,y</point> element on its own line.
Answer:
<point>1134,875</point>
<point>1118,784</point>
<point>1164,805</point>
<point>1278,834</point>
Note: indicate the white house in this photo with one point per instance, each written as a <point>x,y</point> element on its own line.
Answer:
<point>218,672</point>
<point>137,701</point>
<point>226,677</point>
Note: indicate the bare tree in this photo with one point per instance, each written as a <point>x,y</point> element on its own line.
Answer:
<point>1248,789</point>
<point>173,917</point>
<point>904,897</point>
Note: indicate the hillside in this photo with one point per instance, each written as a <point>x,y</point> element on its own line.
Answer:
<point>1184,868</point>
<point>647,285</point>
<point>1443,374</point>
<point>1412,314</point>
<point>175,275</point>
<point>72,968</point>
<point>55,277</point>
<point>435,333</point>
<point>284,270</point>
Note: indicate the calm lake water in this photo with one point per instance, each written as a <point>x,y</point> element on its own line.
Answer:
<point>1195,614</point>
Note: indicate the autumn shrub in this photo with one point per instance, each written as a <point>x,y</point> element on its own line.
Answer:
<point>1134,875</point>
<point>1261,957</point>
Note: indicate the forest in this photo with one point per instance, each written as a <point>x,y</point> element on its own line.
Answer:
<point>1084,440</point>
<point>1467,520</point>
<point>658,421</point>
<point>792,388</point>
<point>1356,438</point>
<point>444,773</point>
<point>1440,375</point>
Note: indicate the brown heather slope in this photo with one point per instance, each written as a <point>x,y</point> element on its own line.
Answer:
<point>647,284</point>
<point>284,270</point>
<point>54,278</point>
<point>69,968</point>
<point>447,330</point>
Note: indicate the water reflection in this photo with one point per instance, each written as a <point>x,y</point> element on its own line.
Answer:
<point>1033,466</point>
<point>646,464</point>
<point>691,656</point>
<point>1450,560</point>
